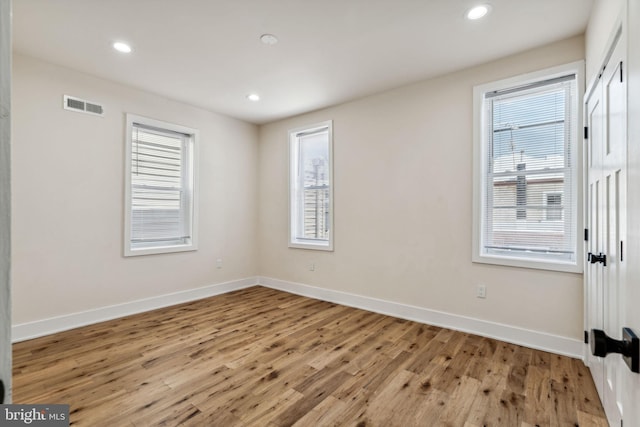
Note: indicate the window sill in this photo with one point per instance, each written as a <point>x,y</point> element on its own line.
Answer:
<point>128,252</point>
<point>313,246</point>
<point>565,267</point>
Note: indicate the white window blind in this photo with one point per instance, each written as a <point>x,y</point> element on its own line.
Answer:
<point>161,189</point>
<point>311,176</point>
<point>530,205</point>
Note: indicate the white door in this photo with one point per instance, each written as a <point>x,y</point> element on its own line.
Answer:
<point>606,112</point>
<point>5,198</point>
<point>594,273</point>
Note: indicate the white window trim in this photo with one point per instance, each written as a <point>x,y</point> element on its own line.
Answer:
<point>194,156</point>
<point>293,150</point>
<point>479,167</point>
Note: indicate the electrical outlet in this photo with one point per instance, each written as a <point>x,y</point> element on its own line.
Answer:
<point>481,291</point>
<point>219,263</point>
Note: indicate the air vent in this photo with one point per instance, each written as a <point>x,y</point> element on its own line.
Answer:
<point>82,106</point>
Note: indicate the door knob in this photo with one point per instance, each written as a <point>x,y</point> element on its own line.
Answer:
<point>593,258</point>
<point>628,347</point>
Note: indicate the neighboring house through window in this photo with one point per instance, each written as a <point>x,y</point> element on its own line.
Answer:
<point>311,187</point>
<point>553,202</point>
<point>526,170</point>
<point>161,187</point>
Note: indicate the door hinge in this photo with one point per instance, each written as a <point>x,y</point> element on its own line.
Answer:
<point>586,234</point>
<point>620,71</point>
<point>621,251</point>
<point>586,337</point>
<point>586,132</point>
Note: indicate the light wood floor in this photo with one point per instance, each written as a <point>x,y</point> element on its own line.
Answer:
<point>260,357</point>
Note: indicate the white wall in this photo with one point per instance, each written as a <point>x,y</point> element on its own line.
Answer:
<point>403,182</point>
<point>403,194</point>
<point>68,197</point>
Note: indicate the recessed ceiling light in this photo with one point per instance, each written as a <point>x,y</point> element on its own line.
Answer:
<point>268,39</point>
<point>253,97</point>
<point>477,12</point>
<point>122,47</point>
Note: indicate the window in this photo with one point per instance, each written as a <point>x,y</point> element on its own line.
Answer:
<point>311,187</point>
<point>160,188</point>
<point>554,206</point>
<point>526,170</point>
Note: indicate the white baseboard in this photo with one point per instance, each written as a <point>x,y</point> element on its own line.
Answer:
<point>515,335</point>
<point>526,337</point>
<point>26,331</point>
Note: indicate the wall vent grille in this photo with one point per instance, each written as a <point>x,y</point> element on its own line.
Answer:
<point>82,106</point>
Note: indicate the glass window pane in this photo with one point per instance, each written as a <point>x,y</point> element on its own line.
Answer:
<point>528,204</point>
<point>314,162</point>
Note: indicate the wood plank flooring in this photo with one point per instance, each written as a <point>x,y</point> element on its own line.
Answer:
<point>260,357</point>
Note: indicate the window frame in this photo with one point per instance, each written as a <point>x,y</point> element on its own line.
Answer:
<point>480,148</point>
<point>294,218</point>
<point>190,176</point>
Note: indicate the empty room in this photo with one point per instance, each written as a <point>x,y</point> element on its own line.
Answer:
<point>330,213</point>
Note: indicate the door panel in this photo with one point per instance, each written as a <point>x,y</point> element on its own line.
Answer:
<point>614,172</point>
<point>606,220</point>
<point>593,272</point>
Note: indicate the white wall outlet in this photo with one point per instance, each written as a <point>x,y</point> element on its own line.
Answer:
<point>219,263</point>
<point>312,266</point>
<point>481,291</point>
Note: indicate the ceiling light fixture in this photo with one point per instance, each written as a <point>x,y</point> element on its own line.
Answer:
<point>268,39</point>
<point>477,12</point>
<point>253,97</point>
<point>122,47</point>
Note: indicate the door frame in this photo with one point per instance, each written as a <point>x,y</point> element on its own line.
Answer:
<point>5,197</point>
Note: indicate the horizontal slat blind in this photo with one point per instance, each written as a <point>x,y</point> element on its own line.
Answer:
<point>158,187</point>
<point>530,205</point>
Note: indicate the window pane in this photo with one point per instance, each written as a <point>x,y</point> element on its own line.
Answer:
<point>528,201</point>
<point>156,215</point>
<point>157,181</point>
<point>314,163</point>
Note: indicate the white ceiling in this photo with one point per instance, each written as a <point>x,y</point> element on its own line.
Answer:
<point>208,53</point>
